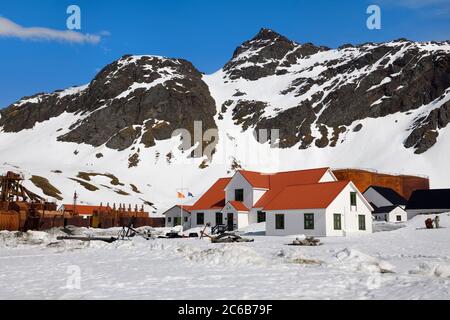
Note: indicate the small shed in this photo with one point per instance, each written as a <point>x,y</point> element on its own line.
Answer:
<point>392,214</point>
<point>176,214</point>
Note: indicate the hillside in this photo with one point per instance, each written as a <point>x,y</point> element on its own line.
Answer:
<point>382,106</point>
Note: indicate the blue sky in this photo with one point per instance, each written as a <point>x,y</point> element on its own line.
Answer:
<point>206,32</point>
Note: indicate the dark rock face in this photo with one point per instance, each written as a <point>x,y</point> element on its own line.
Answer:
<point>344,85</point>
<point>246,113</point>
<point>268,53</point>
<point>135,99</point>
<point>425,132</point>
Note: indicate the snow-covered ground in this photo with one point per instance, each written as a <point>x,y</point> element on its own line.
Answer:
<point>404,263</point>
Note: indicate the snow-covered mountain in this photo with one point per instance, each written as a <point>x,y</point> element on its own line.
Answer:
<point>380,106</point>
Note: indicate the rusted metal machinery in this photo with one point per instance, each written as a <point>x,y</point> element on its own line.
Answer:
<point>20,209</point>
<point>12,190</point>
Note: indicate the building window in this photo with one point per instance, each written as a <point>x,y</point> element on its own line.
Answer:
<point>169,219</point>
<point>279,221</point>
<point>362,222</point>
<point>200,218</point>
<point>337,222</point>
<point>353,199</point>
<point>185,219</point>
<point>309,221</point>
<point>399,218</point>
<point>239,195</point>
<point>261,216</point>
<point>219,218</point>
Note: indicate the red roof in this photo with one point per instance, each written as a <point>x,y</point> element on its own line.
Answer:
<point>279,181</point>
<point>312,196</point>
<point>214,198</point>
<point>256,179</point>
<point>83,210</point>
<point>239,206</point>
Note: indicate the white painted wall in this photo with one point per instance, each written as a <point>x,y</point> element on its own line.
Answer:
<point>253,215</point>
<point>242,220</point>
<point>328,177</point>
<point>392,216</point>
<point>377,199</point>
<point>210,217</point>
<point>239,182</point>
<point>294,223</point>
<point>350,222</point>
<point>175,212</point>
<point>257,195</point>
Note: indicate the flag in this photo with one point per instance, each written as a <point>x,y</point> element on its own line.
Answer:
<point>190,195</point>
<point>181,195</point>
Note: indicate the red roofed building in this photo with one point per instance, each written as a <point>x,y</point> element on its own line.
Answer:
<point>310,202</point>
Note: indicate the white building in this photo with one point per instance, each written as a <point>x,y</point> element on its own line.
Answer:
<point>253,197</point>
<point>176,214</point>
<point>388,205</point>
<point>321,210</point>
<point>392,214</point>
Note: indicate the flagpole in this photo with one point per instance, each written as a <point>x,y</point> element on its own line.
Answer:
<point>181,221</point>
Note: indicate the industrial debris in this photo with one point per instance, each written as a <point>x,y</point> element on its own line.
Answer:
<point>225,238</point>
<point>23,210</point>
<point>309,242</point>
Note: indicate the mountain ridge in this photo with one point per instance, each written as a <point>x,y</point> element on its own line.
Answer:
<point>325,102</point>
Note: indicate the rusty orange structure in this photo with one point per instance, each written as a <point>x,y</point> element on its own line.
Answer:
<point>405,185</point>
<point>22,210</point>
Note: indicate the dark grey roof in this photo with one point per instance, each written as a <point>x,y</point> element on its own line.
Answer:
<point>429,199</point>
<point>384,209</point>
<point>391,195</point>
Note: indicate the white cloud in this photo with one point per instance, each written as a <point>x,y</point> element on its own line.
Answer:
<point>11,29</point>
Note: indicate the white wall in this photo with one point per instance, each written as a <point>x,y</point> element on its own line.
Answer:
<point>392,217</point>
<point>210,217</point>
<point>328,177</point>
<point>350,222</point>
<point>377,199</point>
<point>257,195</point>
<point>253,215</point>
<point>294,223</point>
<point>239,182</point>
<point>175,212</point>
<point>242,220</point>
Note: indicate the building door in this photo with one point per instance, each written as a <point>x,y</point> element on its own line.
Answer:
<point>230,222</point>
<point>177,221</point>
<point>219,218</point>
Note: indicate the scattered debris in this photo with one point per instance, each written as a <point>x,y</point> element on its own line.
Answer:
<point>307,261</point>
<point>225,237</point>
<point>309,241</point>
<point>88,238</point>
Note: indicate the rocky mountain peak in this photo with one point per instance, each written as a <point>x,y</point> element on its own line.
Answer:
<point>267,34</point>
<point>266,54</point>
<point>135,100</point>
